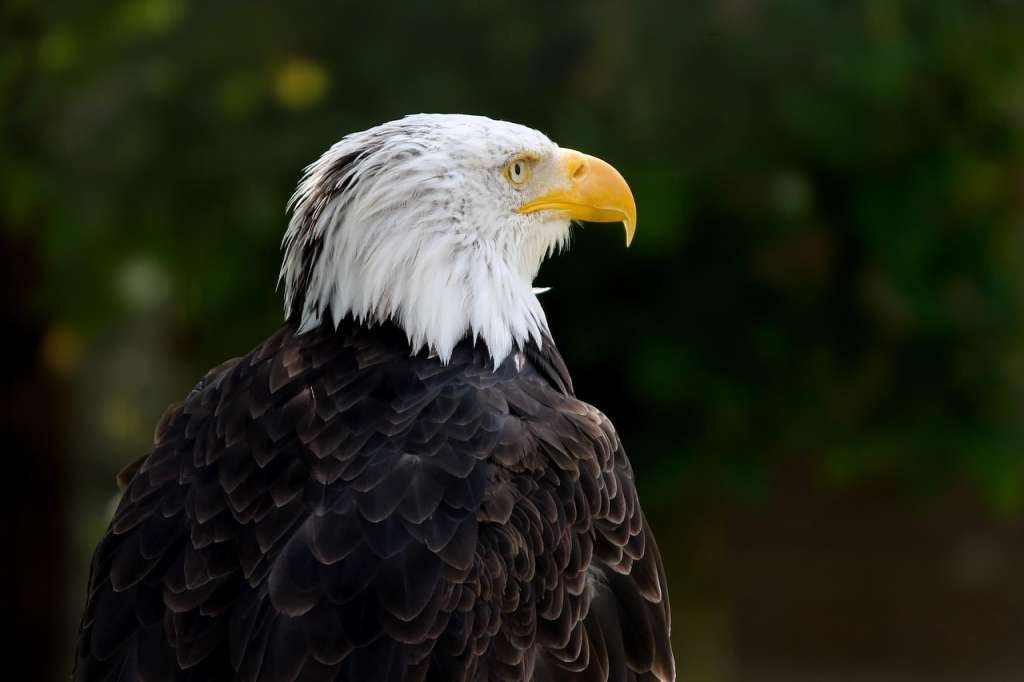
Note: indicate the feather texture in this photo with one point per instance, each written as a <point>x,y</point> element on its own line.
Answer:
<point>334,507</point>
<point>414,221</point>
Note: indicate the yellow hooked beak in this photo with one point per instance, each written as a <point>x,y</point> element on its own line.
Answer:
<point>590,190</point>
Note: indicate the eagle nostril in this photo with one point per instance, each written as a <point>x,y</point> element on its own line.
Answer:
<point>579,169</point>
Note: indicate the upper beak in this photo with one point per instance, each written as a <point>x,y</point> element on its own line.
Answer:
<point>591,190</point>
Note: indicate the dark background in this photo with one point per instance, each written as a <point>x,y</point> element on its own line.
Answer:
<point>814,350</point>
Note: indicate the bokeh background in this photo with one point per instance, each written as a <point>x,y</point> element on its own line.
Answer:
<point>814,351</point>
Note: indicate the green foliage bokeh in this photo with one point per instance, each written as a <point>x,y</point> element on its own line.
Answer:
<point>829,259</point>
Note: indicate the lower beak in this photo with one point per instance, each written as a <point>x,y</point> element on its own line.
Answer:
<point>592,191</point>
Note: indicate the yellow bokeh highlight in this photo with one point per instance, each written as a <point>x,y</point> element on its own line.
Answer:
<point>299,83</point>
<point>61,349</point>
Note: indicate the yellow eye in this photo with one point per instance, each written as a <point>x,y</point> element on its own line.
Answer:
<point>518,170</point>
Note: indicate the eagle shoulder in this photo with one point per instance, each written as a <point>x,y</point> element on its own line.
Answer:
<point>331,507</point>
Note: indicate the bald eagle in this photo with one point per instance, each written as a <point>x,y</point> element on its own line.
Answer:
<point>400,483</point>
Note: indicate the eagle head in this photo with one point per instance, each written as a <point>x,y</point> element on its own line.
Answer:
<point>439,223</point>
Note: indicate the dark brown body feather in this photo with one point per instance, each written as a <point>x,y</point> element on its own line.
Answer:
<point>330,507</point>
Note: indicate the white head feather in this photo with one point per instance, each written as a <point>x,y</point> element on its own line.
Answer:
<point>415,221</point>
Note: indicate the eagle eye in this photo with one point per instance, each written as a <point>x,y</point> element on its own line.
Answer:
<point>518,170</point>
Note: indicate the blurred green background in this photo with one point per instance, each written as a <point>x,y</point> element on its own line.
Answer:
<point>814,350</point>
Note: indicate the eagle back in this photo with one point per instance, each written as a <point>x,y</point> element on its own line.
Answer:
<point>333,507</point>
